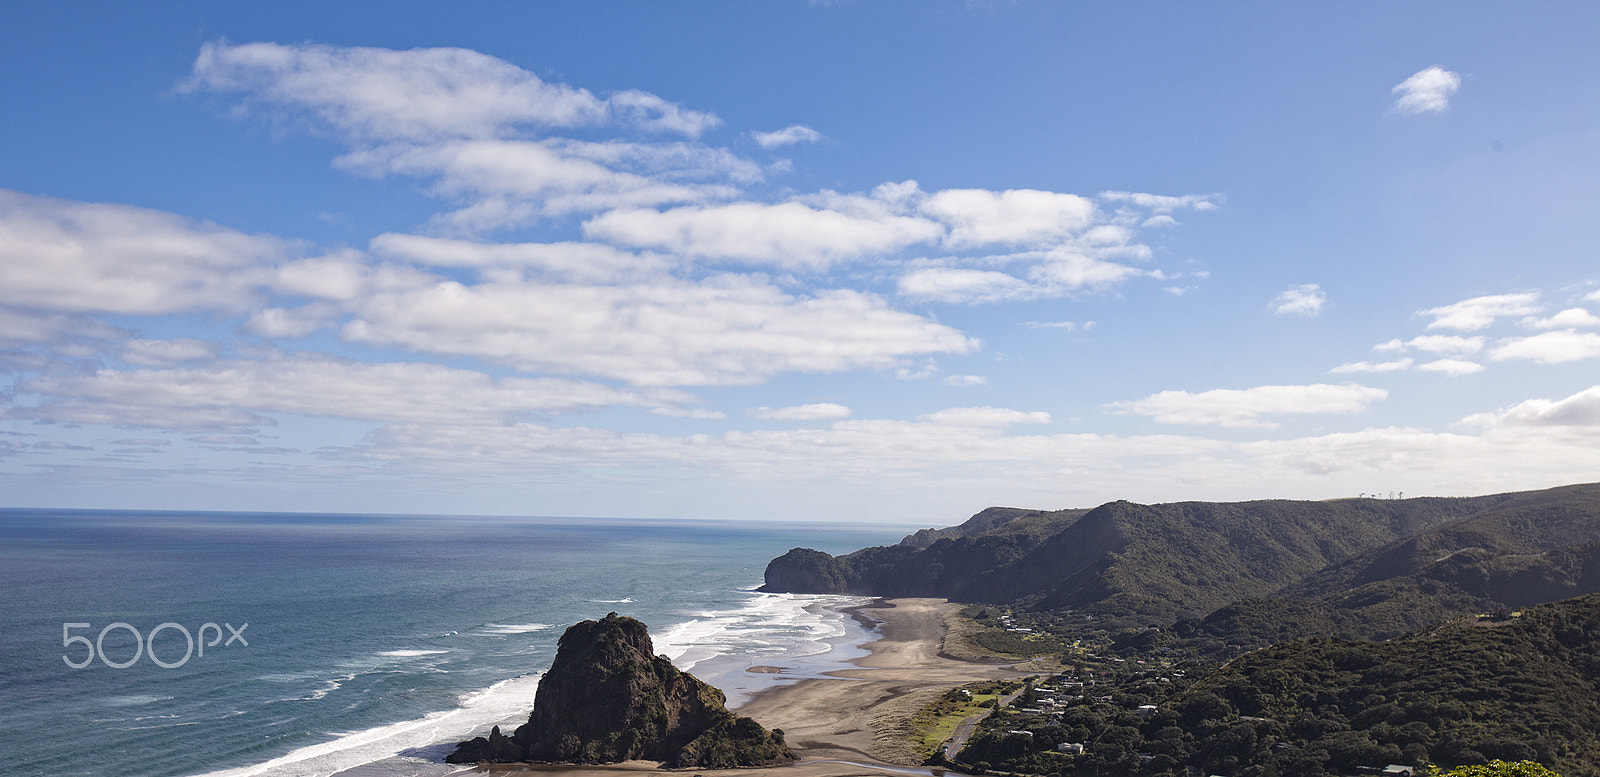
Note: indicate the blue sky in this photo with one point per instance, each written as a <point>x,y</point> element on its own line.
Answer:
<point>838,261</point>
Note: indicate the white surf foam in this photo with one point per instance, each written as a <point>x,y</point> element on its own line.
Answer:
<point>135,700</point>
<point>329,686</point>
<point>501,702</point>
<point>790,624</point>
<point>514,628</point>
<point>412,653</point>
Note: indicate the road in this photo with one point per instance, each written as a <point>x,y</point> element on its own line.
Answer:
<point>964,730</point>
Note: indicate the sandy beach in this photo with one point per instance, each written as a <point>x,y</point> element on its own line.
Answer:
<point>858,714</point>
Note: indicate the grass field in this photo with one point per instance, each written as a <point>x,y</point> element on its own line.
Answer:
<point>934,724</point>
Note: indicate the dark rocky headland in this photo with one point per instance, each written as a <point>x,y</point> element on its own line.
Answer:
<point>608,698</point>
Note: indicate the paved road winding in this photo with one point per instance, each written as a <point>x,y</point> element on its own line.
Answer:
<point>964,729</point>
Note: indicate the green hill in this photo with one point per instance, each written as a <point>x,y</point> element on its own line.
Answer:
<point>992,519</point>
<point>1146,564</point>
<point>1242,573</point>
<point>1529,548</point>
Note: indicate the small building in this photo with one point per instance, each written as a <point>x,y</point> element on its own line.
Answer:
<point>1399,770</point>
<point>1070,748</point>
<point>1146,710</point>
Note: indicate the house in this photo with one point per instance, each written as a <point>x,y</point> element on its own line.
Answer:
<point>1070,748</point>
<point>1398,770</point>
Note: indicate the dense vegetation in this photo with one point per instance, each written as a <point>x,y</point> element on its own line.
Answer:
<point>1523,688</point>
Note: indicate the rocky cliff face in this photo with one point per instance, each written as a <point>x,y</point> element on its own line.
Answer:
<point>803,570</point>
<point>608,698</point>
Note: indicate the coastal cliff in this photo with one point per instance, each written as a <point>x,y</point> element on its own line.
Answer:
<point>607,698</point>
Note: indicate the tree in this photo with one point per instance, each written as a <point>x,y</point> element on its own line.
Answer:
<point>1498,769</point>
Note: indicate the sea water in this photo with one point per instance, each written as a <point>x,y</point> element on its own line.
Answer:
<point>358,645</point>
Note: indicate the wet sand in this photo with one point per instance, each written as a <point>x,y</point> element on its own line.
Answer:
<point>857,714</point>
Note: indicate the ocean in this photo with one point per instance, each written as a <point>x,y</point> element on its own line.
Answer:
<point>155,644</point>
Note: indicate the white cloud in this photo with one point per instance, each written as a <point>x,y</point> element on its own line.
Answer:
<point>1065,270</point>
<point>787,136</point>
<point>1398,365</point>
<point>1069,326</point>
<point>569,260</point>
<point>788,234</point>
<point>93,258</point>
<point>1570,318</point>
<point>973,462</point>
<point>1393,346</point>
<point>1245,407</point>
<point>927,370</point>
<point>821,411</point>
<point>422,94</point>
<point>696,413</point>
<point>653,113</point>
<point>1050,274</point>
<point>668,161</point>
<point>985,417</point>
<point>512,182</point>
<point>471,124</point>
<point>1568,345</point>
<point>1478,313</point>
<point>1016,216</point>
<point>1164,203</point>
<point>948,284</point>
<point>1581,410</point>
<point>339,277</point>
<point>859,459</point>
<point>284,323</point>
<point>965,381</point>
<point>1448,344</point>
<point>1307,299</point>
<point>728,329</point>
<point>167,353</point>
<point>1455,368</point>
<point>25,327</point>
<point>1426,91</point>
<point>233,395</point>
<point>1113,235</point>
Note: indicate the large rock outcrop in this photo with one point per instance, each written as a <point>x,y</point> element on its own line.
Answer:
<point>607,698</point>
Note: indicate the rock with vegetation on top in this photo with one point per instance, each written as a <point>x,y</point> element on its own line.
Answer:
<point>607,698</point>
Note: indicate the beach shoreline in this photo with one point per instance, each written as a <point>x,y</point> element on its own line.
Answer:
<point>843,722</point>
